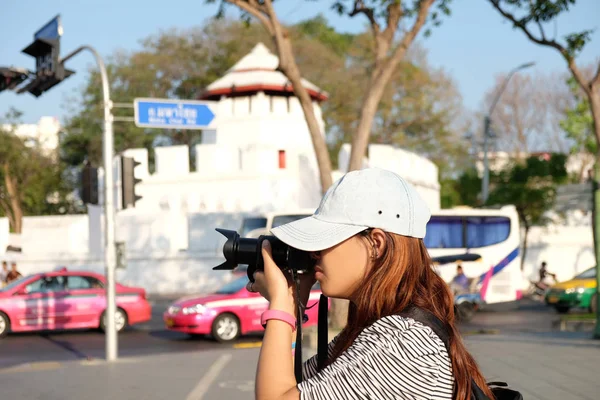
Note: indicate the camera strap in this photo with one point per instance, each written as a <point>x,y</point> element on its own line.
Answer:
<point>299,320</point>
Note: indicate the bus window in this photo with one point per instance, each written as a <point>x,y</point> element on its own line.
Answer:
<point>444,232</point>
<point>486,231</point>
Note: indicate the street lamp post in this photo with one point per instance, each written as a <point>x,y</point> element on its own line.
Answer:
<point>109,212</point>
<point>487,133</point>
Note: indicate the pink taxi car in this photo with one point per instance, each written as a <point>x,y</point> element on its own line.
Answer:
<point>226,314</point>
<point>66,300</point>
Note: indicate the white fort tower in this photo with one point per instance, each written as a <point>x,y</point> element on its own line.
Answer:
<point>260,157</point>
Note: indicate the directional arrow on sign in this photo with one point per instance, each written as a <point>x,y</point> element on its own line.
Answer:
<point>174,114</point>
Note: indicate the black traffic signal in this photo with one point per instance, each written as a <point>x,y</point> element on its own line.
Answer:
<point>89,184</point>
<point>10,78</point>
<point>128,182</point>
<point>46,50</point>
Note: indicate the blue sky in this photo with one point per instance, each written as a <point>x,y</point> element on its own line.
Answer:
<point>473,45</point>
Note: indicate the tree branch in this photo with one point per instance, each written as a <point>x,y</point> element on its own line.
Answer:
<point>394,13</point>
<point>544,42</point>
<point>539,24</point>
<point>596,78</point>
<point>360,8</point>
<point>409,37</point>
<point>255,9</point>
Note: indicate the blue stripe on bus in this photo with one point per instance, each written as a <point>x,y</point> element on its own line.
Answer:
<point>500,266</point>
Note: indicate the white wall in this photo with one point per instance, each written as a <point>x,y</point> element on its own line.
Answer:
<point>174,252</point>
<point>4,230</point>
<point>568,250</point>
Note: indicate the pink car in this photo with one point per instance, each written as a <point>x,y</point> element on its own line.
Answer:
<point>66,300</point>
<point>228,313</point>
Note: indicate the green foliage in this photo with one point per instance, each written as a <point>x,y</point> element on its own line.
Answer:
<point>523,12</point>
<point>378,9</point>
<point>40,183</point>
<point>579,123</point>
<point>416,111</point>
<point>461,191</point>
<point>530,186</point>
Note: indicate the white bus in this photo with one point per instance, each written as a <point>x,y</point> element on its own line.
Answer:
<point>485,242</point>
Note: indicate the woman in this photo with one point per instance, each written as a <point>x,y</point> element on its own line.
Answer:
<point>367,238</point>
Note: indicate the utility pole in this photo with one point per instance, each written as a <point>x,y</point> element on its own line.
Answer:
<point>487,133</point>
<point>109,211</point>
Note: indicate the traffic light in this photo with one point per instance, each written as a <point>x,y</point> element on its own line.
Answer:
<point>10,78</point>
<point>128,182</point>
<point>89,184</point>
<point>46,51</point>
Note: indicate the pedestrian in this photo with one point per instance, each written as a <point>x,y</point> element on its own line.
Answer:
<point>13,275</point>
<point>3,273</point>
<point>367,240</point>
<point>460,282</point>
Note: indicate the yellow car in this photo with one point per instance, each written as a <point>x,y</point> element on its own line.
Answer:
<point>578,292</point>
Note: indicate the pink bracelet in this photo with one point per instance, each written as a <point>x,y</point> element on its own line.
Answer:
<point>280,315</point>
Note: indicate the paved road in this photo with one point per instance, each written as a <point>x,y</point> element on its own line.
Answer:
<point>157,364</point>
<point>151,338</point>
<point>144,339</point>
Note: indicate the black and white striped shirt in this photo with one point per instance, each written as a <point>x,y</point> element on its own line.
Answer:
<point>395,358</point>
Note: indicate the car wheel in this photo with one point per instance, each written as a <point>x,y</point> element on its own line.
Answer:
<point>120,320</point>
<point>4,325</point>
<point>226,328</point>
<point>465,311</point>
<point>562,309</point>
<point>594,303</point>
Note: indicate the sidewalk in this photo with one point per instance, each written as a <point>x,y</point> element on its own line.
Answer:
<point>543,366</point>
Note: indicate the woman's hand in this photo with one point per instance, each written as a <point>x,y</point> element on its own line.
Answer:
<point>276,286</point>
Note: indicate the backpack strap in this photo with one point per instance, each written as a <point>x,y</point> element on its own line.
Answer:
<point>437,326</point>
<point>430,320</point>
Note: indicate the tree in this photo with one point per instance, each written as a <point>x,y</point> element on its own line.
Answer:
<point>463,191</point>
<point>527,116</point>
<point>265,13</point>
<point>578,125</point>
<point>529,185</point>
<point>538,13</point>
<point>31,182</point>
<point>388,50</point>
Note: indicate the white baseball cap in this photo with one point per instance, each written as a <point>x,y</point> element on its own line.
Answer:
<point>367,198</point>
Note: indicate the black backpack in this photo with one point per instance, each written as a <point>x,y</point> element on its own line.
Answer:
<point>500,390</point>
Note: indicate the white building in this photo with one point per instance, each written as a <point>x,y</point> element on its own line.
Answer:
<point>260,157</point>
<point>44,134</point>
<point>578,164</point>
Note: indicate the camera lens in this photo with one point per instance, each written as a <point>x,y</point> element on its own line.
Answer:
<point>238,250</point>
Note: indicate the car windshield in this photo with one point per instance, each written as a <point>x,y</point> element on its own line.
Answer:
<point>14,284</point>
<point>233,286</point>
<point>587,274</point>
<point>251,224</point>
<point>286,219</point>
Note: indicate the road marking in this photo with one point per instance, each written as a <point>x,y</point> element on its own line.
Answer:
<point>35,366</point>
<point>202,387</point>
<point>250,345</point>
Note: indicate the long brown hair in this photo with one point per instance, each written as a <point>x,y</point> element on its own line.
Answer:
<point>403,275</point>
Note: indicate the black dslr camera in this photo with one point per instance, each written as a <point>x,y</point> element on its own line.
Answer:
<point>247,251</point>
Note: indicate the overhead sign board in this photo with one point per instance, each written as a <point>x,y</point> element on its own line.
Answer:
<point>52,30</point>
<point>174,114</point>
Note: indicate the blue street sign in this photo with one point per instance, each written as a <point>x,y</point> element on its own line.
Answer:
<point>52,30</point>
<point>174,114</point>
